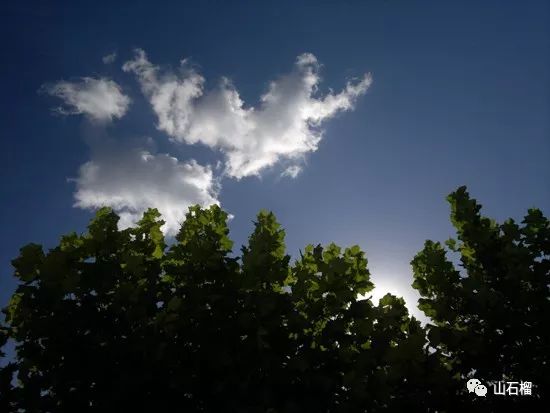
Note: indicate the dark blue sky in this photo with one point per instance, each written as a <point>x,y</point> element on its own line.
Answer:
<point>460,96</point>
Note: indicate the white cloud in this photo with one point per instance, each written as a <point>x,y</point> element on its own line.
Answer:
<point>130,180</point>
<point>286,124</point>
<point>99,99</point>
<point>110,58</point>
<point>170,96</point>
<point>292,171</point>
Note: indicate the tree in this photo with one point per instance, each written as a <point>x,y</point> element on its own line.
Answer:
<point>116,320</point>
<point>490,317</point>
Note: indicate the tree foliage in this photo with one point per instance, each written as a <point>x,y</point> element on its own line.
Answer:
<point>117,320</point>
<point>489,316</point>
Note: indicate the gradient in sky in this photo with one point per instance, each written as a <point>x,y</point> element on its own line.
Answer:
<point>350,120</point>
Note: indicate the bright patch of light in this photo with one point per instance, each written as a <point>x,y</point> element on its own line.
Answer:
<point>395,284</point>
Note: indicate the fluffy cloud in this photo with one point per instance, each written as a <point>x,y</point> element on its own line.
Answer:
<point>130,180</point>
<point>285,125</point>
<point>99,99</point>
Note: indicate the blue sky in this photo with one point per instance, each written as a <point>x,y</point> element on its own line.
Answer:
<point>459,94</point>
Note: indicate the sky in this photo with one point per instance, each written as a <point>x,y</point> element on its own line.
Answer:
<point>350,120</point>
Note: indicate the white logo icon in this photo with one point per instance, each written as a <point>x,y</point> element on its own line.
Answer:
<point>501,388</point>
<point>481,390</point>
<point>472,384</point>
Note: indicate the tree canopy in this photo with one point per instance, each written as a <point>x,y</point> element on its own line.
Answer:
<point>117,320</point>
